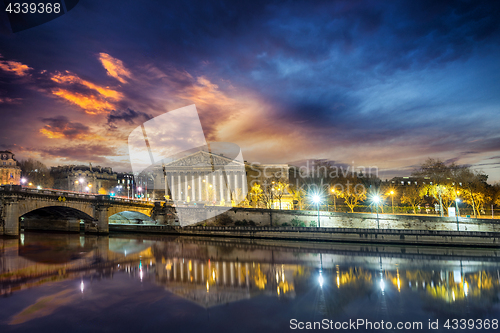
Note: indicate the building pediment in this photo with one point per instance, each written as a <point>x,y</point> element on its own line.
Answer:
<point>202,159</point>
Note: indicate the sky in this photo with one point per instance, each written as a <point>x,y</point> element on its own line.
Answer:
<point>381,84</point>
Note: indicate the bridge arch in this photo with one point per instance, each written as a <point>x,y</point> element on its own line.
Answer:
<point>130,217</point>
<point>55,218</point>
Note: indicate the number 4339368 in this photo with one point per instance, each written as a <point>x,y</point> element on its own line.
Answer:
<point>471,324</point>
<point>33,7</point>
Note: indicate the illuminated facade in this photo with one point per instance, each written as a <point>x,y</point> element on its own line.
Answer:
<point>203,177</point>
<point>10,172</point>
<point>208,178</point>
<point>81,178</point>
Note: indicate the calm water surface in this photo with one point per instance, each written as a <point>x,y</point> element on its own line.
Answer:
<point>123,283</point>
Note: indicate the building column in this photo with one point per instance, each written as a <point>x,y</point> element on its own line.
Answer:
<point>193,188</point>
<point>214,187</point>
<point>228,187</point>
<point>179,193</point>
<point>235,187</point>
<point>243,183</point>
<point>200,196</point>
<point>222,185</point>
<point>186,191</point>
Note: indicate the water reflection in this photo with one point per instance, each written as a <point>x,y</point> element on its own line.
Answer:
<point>327,280</point>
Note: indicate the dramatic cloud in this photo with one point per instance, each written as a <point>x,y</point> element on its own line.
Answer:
<point>129,116</point>
<point>85,153</point>
<point>92,98</point>
<point>60,127</point>
<point>114,67</point>
<point>15,67</point>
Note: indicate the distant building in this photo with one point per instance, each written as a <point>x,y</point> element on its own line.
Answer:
<point>407,181</point>
<point>81,178</point>
<point>10,172</point>
<point>125,185</point>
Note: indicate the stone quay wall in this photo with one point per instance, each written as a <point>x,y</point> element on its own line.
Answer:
<point>275,218</point>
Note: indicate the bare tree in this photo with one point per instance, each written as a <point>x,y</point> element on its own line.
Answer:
<point>439,176</point>
<point>36,173</point>
<point>475,187</point>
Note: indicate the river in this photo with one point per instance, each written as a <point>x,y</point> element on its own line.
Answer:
<point>123,283</point>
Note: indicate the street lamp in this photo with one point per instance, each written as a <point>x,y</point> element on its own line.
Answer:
<point>376,200</point>
<point>317,199</point>
<point>392,199</point>
<point>81,180</point>
<point>23,181</point>
<point>457,200</point>
<point>140,190</point>
<point>334,203</point>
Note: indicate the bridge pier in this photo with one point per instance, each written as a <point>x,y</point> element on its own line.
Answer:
<point>9,216</point>
<point>101,215</point>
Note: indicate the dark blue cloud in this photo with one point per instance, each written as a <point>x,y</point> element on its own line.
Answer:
<point>358,71</point>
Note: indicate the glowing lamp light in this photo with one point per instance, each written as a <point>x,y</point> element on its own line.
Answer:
<point>316,199</point>
<point>23,180</point>
<point>376,199</point>
<point>139,189</point>
<point>457,200</point>
<point>81,180</point>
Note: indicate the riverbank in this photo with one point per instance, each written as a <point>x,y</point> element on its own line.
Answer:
<point>356,235</point>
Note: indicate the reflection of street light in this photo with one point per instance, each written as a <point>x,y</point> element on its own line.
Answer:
<point>320,279</point>
<point>317,199</point>
<point>382,285</point>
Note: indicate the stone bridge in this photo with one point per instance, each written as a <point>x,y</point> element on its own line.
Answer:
<point>61,210</point>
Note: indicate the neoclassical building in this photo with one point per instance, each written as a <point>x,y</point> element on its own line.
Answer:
<point>208,178</point>
<point>204,177</point>
<point>10,172</point>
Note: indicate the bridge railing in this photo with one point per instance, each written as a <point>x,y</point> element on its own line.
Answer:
<point>62,193</point>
